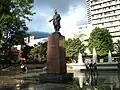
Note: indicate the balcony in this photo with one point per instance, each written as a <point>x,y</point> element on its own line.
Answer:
<point>98,6</point>
<point>103,16</point>
<point>116,30</point>
<point>105,10</point>
<point>106,20</point>
<point>116,34</point>
<point>106,25</point>
<point>100,2</point>
<point>111,24</point>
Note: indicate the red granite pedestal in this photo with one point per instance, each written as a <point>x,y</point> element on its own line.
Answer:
<point>56,63</point>
<point>56,60</point>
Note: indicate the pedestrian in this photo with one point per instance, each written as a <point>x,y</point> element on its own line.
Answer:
<point>24,68</point>
<point>95,68</point>
<point>91,67</point>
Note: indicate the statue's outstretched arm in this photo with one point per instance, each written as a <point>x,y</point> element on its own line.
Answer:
<point>50,20</point>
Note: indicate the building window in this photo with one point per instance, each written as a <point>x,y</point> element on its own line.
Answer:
<point>95,0</point>
<point>105,13</point>
<point>115,6</point>
<point>105,3</point>
<point>115,16</point>
<point>80,28</point>
<point>109,7</point>
<point>109,2</point>
<point>111,22</point>
<point>108,12</point>
<point>102,24</point>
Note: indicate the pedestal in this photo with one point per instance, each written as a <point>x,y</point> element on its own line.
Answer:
<point>56,62</point>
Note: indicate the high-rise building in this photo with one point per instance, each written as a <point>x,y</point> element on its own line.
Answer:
<point>105,14</point>
<point>88,2</point>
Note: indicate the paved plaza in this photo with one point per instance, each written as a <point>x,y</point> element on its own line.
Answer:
<point>106,80</point>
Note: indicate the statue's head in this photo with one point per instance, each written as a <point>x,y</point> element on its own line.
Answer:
<point>55,11</point>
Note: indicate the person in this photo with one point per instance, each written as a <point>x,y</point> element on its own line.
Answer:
<point>87,66</point>
<point>95,68</point>
<point>91,67</point>
<point>56,21</point>
<point>94,81</point>
<point>24,68</point>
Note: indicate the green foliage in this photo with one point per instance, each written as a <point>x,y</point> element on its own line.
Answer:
<point>13,17</point>
<point>117,47</point>
<point>73,47</point>
<point>101,39</point>
<point>39,53</point>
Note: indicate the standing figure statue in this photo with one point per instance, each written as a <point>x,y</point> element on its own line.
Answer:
<point>56,21</point>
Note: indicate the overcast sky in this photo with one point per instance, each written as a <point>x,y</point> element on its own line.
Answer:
<point>73,13</point>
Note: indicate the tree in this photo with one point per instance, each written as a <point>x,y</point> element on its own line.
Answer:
<point>13,17</point>
<point>25,51</point>
<point>101,39</point>
<point>39,53</point>
<point>73,47</point>
<point>117,47</point>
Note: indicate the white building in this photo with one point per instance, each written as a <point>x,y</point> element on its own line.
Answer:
<point>85,29</point>
<point>31,41</point>
<point>105,14</point>
<point>88,2</point>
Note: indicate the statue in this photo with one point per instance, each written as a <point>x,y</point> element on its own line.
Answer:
<point>56,21</point>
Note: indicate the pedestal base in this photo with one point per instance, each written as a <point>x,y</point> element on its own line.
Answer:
<point>56,77</point>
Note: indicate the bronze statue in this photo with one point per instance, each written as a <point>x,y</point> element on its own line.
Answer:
<point>56,21</point>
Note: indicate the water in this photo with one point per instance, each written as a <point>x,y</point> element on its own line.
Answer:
<point>109,57</point>
<point>80,59</point>
<point>106,80</point>
<point>94,55</point>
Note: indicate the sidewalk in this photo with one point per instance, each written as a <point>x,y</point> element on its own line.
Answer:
<point>21,78</point>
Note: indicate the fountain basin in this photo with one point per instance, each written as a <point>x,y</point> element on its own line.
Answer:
<point>100,66</point>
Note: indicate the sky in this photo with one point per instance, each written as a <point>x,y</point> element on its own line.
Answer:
<point>73,13</point>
